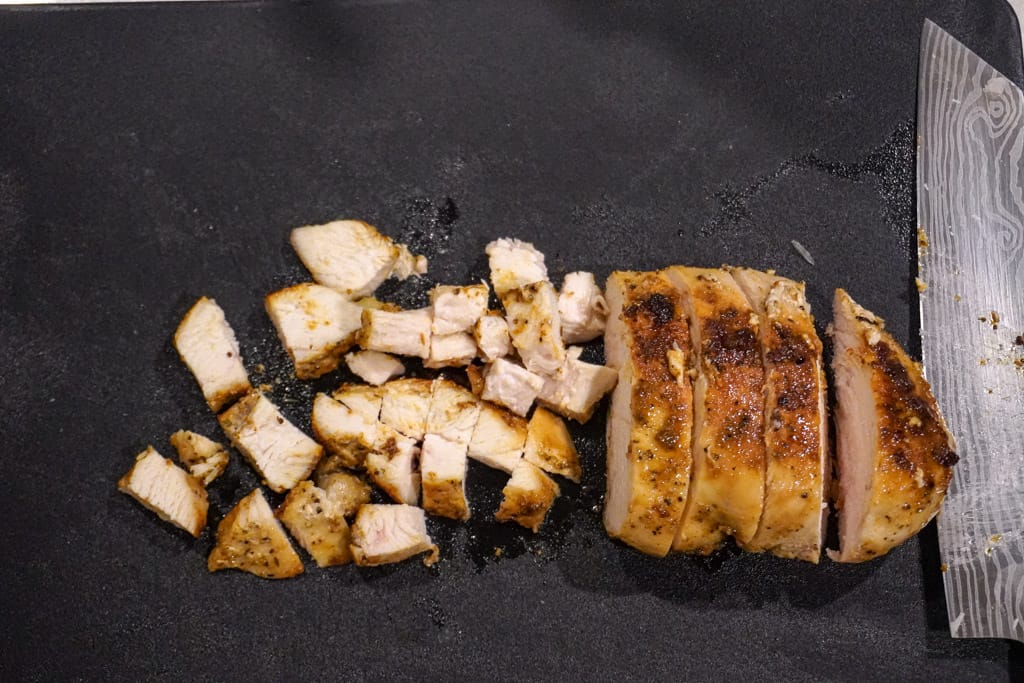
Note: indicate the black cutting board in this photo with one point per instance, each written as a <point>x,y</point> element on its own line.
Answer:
<point>152,154</point>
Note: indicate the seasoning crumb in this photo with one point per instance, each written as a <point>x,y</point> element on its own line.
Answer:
<point>996,538</point>
<point>1019,341</point>
<point>994,319</point>
<point>921,284</point>
<point>498,552</point>
<point>260,368</point>
<point>922,238</point>
<point>956,297</point>
<point>943,567</point>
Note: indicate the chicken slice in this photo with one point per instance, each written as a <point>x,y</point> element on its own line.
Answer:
<point>895,453</point>
<point>511,385</point>
<point>281,453</point>
<point>532,315</point>
<point>316,325</point>
<point>457,308</point>
<point>451,350</point>
<point>582,310</point>
<point>351,257</point>
<point>172,493</point>
<point>513,264</point>
<point>251,539</point>
<point>580,387</point>
<point>727,486</point>
<point>453,411</point>
<point>317,523</point>
<point>406,333</point>
<point>549,446</point>
<point>392,465</point>
<point>207,345</point>
<point>443,469</point>
<point>205,458</point>
<point>374,367</point>
<point>499,438</point>
<point>527,496</point>
<point>796,424</point>
<point>364,399</point>
<point>405,406</point>
<point>651,413</point>
<point>383,534</point>
<point>347,435</point>
<point>346,490</point>
<point>491,334</point>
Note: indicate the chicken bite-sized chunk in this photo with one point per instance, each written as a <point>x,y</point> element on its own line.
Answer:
<point>579,388</point>
<point>405,333</point>
<point>347,490</point>
<point>383,534</point>
<point>895,453</point>
<point>393,466</point>
<point>205,458</point>
<point>207,345</point>
<point>453,411</point>
<point>549,446</point>
<point>457,308</point>
<point>533,324</point>
<point>443,471</point>
<point>364,399</point>
<point>315,324</point>
<point>405,405</point>
<point>511,385</point>
<point>281,453</point>
<point>346,435</point>
<point>513,264</point>
<point>492,338</point>
<point>374,367</point>
<point>582,310</point>
<point>451,350</point>
<point>499,438</point>
<point>527,497</point>
<point>317,523</point>
<point>172,493</point>
<point>251,539</point>
<point>351,257</point>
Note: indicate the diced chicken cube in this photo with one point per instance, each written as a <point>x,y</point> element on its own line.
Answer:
<point>374,367</point>
<point>281,453</point>
<point>453,411</point>
<point>364,399</point>
<point>499,438</point>
<point>251,539</point>
<point>513,264</point>
<point>406,405</point>
<point>451,350</point>
<point>346,435</point>
<point>512,386</point>
<point>207,345</point>
<point>549,446</point>
<point>383,534</point>
<point>316,325</point>
<point>492,338</point>
<point>348,491</point>
<point>406,333</point>
<point>457,308</point>
<point>443,468</point>
<point>578,390</point>
<point>392,465</point>
<point>172,493</point>
<point>533,324</point>
<point>317,523</point>
<point>205,458</point>
<point>582,310</point>
<point>527,497</point>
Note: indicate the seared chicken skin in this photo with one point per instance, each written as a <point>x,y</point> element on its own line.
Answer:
<point>727,488</point>
<point>651,413</point>
<point>895,454</point>
<point>796,424</point>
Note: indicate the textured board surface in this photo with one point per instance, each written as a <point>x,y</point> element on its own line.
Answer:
<point>149,155</point>
<point>971,212</point>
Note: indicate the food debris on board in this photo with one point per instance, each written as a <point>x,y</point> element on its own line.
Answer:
<point>710,371</point>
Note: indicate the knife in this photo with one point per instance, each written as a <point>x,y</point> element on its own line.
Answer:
<point>970,212</point>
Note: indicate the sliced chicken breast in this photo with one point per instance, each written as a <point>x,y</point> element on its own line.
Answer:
<point>205,458</point>
<point>527,497</point>
<point>651,413</point>
<point>511,385</point>
<point>582,310</point>
<point>895,453</point>
<point>796,424</point>
<point>393,465</point>
<point>443,470</point>
<point>491,334</point>
<point>451,350</point>
<point>578,389</point>
<point>364,399</point>
<point>317,523</point>
<point>513,264</point>
<point>549,446</point>
<point>727,487</point>
<point>406,403</point>
<point>457,308</point>
<point>383,534</point>
<point>533,324</point>
<point>374,367</point>
<point>172,493</point>
<point>499,438</point>
<point>405,333</point>
<point>347,436</point>
<point>347,490</point>
<point>315,324</point>
<point>207,345</point>
<point>453,411</point>
<point>251,539</point>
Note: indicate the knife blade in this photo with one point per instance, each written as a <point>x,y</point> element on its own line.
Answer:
<point>970,211</point>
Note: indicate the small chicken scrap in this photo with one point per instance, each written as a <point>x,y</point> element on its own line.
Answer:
<point>383,534</point>
<point>207,345</point>
<point>172,493</point>
<point>527,497</point>
<point>250,538</point>
<point>205,458</point>
<point>374,367</point>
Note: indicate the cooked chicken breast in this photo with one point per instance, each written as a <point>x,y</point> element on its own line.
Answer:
<point>582,310</point>
<point>491,334</point>
<point>251,539</point>
<point>405,333</point>
<point>364,399</point>
<point>408,264</point>
<point>513,264</point>
<point>316,325</point>
<point>205,458</point>
<point>207,345</point>
<point>374,367</point>
<point>511,385</point>
<point>347,490</point>
<point>499,438</point>
<point>895,454</point>
<point>443,468</point>
<point>281,453</point>
<point>351,256</point>
<point>317,523</point>
<point>533,324</point>
<point>727,486</point>
<point>346,435</point>
<point>457,308</point>
<point>651,413</point>
<point>393,465</point>
<point>527,497</point>
<point>451,350</point>
<point>579,388</point>
<point>406,405</point>
<point>383,534</point>
<point>453,411</point>
<point>796,424</point>
<point>172,493</point>
<point>549,446</point>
